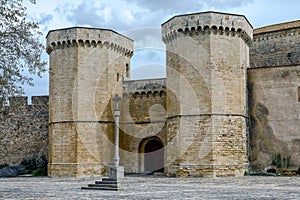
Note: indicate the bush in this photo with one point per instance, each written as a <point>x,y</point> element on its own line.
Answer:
<point>298,171</point>
<point>280,161</point>
<point>28,171</point>
<point>29,163</point>
<point>35,162</point>
<point>36,166</point>
<point>40,172</point>
<point>3,165</point>
<point>12,171</point>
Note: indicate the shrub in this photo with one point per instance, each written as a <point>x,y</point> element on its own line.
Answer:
<point>3,165</point>
<point>298,171</point>
<point>39,172</point>
<point>36,166</point>
<point>35,162</point>
<point>280,161</point>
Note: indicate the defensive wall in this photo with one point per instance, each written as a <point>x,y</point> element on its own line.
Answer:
<point>24,129</point>
<point>143,119</point>
<point>273,84</point>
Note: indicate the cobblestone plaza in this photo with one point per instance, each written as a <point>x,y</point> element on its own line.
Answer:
<point>154,187</point>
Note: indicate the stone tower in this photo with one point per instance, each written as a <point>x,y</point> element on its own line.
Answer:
<point>87,66</point>
<point>207,59</point>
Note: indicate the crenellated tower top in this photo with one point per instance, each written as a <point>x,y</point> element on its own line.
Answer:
<point>207,23</point>
<point>89,37</point>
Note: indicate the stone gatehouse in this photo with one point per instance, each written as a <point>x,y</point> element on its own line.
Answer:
<point>229,102</point>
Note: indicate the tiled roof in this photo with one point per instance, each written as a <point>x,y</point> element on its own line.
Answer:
<point>277,27</point>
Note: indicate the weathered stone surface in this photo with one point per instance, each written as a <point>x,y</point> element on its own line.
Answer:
<point>143,119</point>
<point>273,84</point>
<point>87,66</point>
<point>208,124</point>
<point>24,129</point>
<point>276,48</point>
<point>275,122</point>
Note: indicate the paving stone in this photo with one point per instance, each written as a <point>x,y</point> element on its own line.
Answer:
<point>154,188</point>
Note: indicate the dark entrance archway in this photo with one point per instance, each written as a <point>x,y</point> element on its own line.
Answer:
<point>152,155</point>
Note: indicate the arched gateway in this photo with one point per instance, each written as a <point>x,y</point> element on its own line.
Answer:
<point>151,158</point>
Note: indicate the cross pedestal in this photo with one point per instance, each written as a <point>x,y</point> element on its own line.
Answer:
<point>116,171</point>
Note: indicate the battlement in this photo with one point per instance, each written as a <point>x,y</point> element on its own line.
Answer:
<point>207,23</point>
<point>89,37</point>
<point>277,27</point>
<point>260,35</point>
<point>21,101</point>
<point>276,45</point>
<point>144,87</point>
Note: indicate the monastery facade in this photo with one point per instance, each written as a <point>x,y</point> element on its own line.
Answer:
<point>229,103</point>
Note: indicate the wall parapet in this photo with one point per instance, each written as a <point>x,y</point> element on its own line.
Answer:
<point>23,101</point>
<point>207,23</point>
<point>206,30</point>
<point>87,43</point>
<point>89,37</point>
<point>144,85</point>
<point>263,36</point>
<point>275,48</point>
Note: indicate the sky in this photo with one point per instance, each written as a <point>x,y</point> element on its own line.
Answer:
<point>141,20</point>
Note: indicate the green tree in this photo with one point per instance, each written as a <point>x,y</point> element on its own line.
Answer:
<point>20,48</point>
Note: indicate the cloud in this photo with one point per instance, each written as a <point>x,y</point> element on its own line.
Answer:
<point>146,38</point>
<point>152,55</point>
<point>46,18</point>
<point>114,14</point>
<point>226,4</point>
<point>89,14</point>
<point>123,15</point>
<point>148,71</point>
<point>169,6</point>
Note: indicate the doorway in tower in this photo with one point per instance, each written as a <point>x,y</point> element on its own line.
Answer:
<point>151,155</point>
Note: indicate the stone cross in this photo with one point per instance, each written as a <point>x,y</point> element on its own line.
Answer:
<point>117,115</point>
<point>117,99</point>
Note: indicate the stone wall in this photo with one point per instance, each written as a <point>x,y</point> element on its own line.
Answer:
<point>143,116</point>
<point>275,120</point>
<point>276,48</point>
<point>273,84</point>
<point>24,129</point>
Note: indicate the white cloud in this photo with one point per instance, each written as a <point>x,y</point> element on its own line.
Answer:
<point>128,16</point>
<point>171,6</point>
<point>148,71</point>
<point>146,38</point>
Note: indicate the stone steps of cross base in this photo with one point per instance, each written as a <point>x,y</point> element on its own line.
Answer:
<point>100,188</point>
<point>108,179</point>
<point>106,182</point>
<point>106,185</point>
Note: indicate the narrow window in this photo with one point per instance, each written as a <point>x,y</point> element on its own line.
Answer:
<point>127,70</point>
<point>298,94</point>
<point>289,57</point>
<point>118,77</point>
